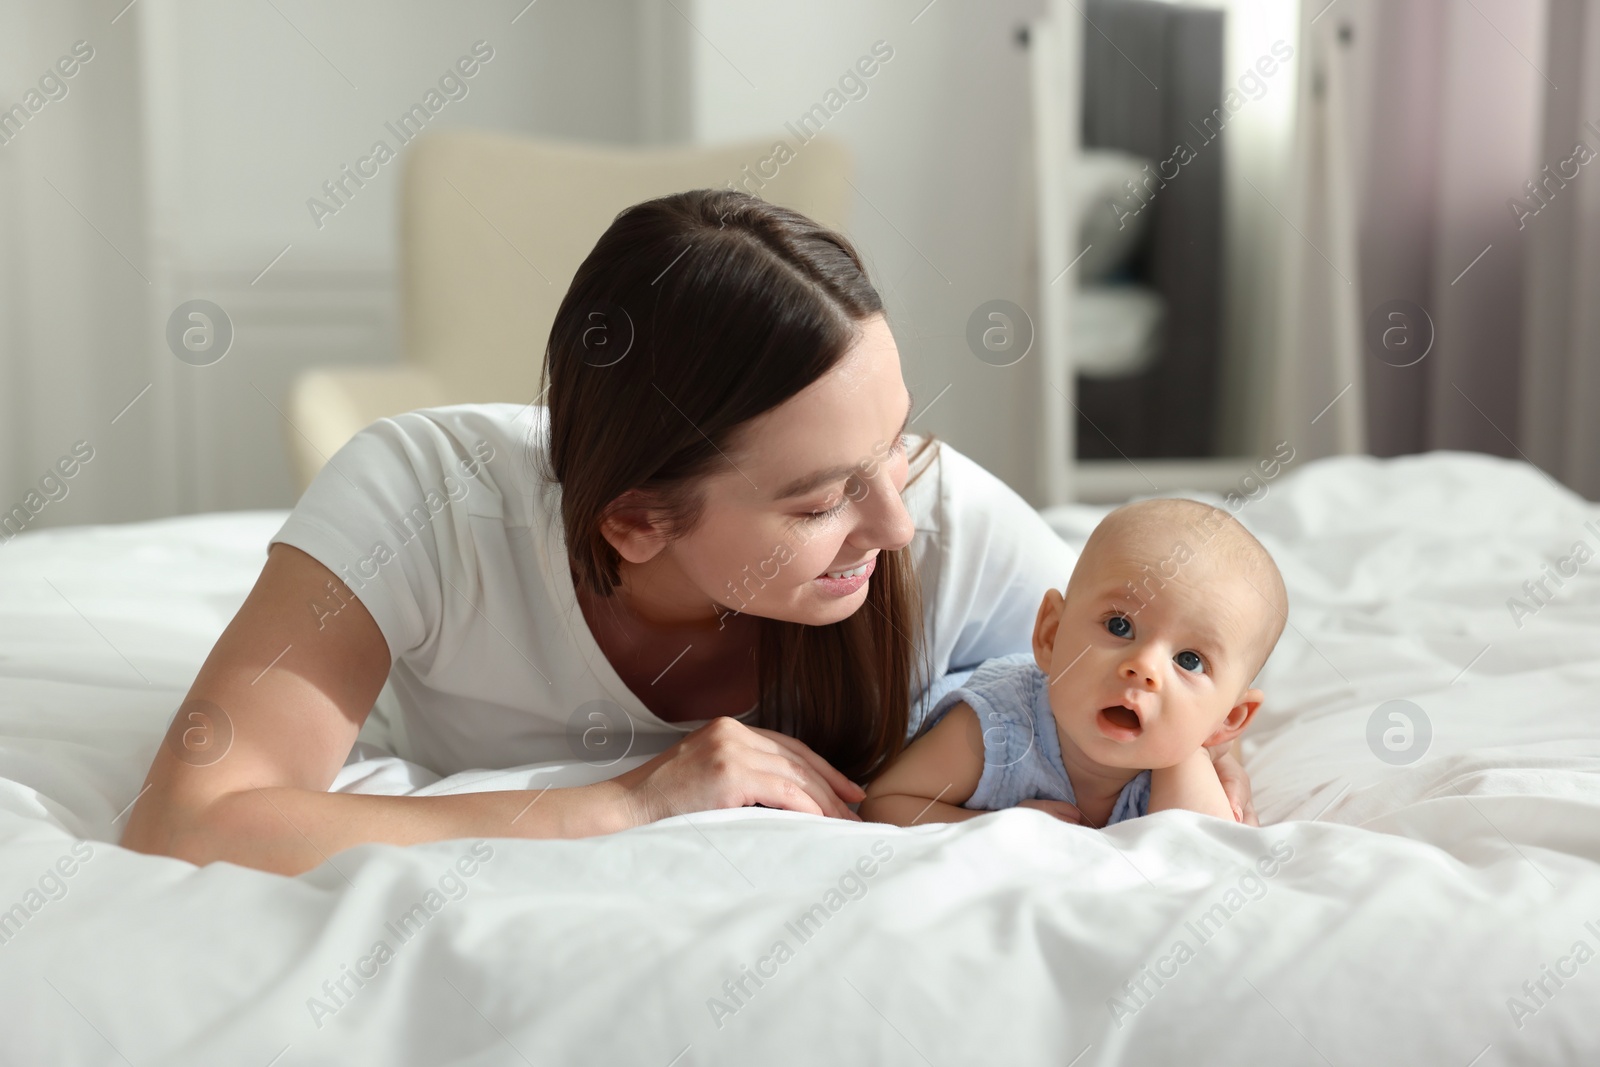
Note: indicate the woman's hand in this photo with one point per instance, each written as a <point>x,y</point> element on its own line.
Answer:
<point>1235,783</point>
<point>726,764</point>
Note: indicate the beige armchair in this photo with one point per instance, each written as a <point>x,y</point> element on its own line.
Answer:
<point>492,229</point>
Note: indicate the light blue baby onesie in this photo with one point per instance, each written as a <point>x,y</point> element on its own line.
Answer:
<point>1021,751</point>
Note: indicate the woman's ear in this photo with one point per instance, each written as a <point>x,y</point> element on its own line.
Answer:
<point>632,529</point>
<point>1045,626</point>
<point>1238,718</point>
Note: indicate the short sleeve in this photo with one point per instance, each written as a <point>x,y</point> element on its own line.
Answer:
<point>1134,800</point>
<point>1000,694</point>
<point>994,557</point>
<point>389,515</point>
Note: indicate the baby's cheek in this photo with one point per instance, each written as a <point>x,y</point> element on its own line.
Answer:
<point>1159,750</point>
<point>1175,740</point>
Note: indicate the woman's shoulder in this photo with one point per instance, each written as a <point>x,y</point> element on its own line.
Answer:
<point>949,492</point>
<point>983,548</point>
<point>480,457</point>
<point>507,426</point>
<point>421,503</point>
<point>984,558</point>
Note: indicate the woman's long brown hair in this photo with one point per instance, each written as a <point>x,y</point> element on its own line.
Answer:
<point>693,314</point>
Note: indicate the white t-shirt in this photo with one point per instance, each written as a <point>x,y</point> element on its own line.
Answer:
<point>437,521</point>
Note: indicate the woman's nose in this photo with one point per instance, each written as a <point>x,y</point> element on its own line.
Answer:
<point>885,521</point>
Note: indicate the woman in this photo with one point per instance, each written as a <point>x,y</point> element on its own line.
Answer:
<point>641,566</point>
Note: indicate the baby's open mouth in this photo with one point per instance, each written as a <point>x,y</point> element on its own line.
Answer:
<point>1119,722</point>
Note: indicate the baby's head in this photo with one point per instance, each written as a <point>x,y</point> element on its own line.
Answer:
<point>1169,615</point>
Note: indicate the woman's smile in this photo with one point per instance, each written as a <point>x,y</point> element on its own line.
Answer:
<point>855,579</point>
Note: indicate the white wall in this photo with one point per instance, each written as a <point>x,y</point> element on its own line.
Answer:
<point>193,140</point>
<point>74,271</point>
<point>262,115</point>
<point>942,160</point>
<point>190,144</point>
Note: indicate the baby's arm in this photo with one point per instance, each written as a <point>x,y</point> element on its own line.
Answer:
<point>930,779</point>
<point>1192,785</point>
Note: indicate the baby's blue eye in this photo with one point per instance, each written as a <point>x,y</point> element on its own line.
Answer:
<point>1183,660</point>
<point>1119,626</point>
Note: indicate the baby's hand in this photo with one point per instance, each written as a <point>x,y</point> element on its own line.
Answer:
<point>1059,808</point>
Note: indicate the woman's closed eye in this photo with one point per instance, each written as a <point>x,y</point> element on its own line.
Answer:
<point>818,516</point>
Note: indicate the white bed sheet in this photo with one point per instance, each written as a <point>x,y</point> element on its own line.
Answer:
<point>1413,904</point>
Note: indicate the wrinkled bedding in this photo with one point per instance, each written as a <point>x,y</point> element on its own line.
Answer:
<point>1424,888</point>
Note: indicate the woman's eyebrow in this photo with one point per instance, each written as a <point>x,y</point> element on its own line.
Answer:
<point>811,481</point>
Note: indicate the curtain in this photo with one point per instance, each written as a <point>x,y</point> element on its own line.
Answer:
<point>1317,363</point>
<point>1560,397</point>
<point>1440,244</point>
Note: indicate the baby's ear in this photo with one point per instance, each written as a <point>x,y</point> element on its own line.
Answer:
<point>1238,717</point>
<point>1046,624</point>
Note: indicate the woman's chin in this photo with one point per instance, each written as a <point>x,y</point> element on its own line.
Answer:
<point>808,606</point>
<point>823,610</point>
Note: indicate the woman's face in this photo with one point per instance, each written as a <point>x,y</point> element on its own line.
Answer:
<point>812,486</point>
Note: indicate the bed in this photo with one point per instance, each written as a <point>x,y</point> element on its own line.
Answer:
<point>1423,889</point>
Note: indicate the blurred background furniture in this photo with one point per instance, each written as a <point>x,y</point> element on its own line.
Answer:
<point>1148,324</point>
<point>492,229</point>
<point>1130,348</point>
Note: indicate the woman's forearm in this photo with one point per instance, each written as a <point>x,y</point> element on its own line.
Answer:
<point>289,830</point>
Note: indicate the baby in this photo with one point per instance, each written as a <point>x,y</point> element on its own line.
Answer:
<point>1170,612</point>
